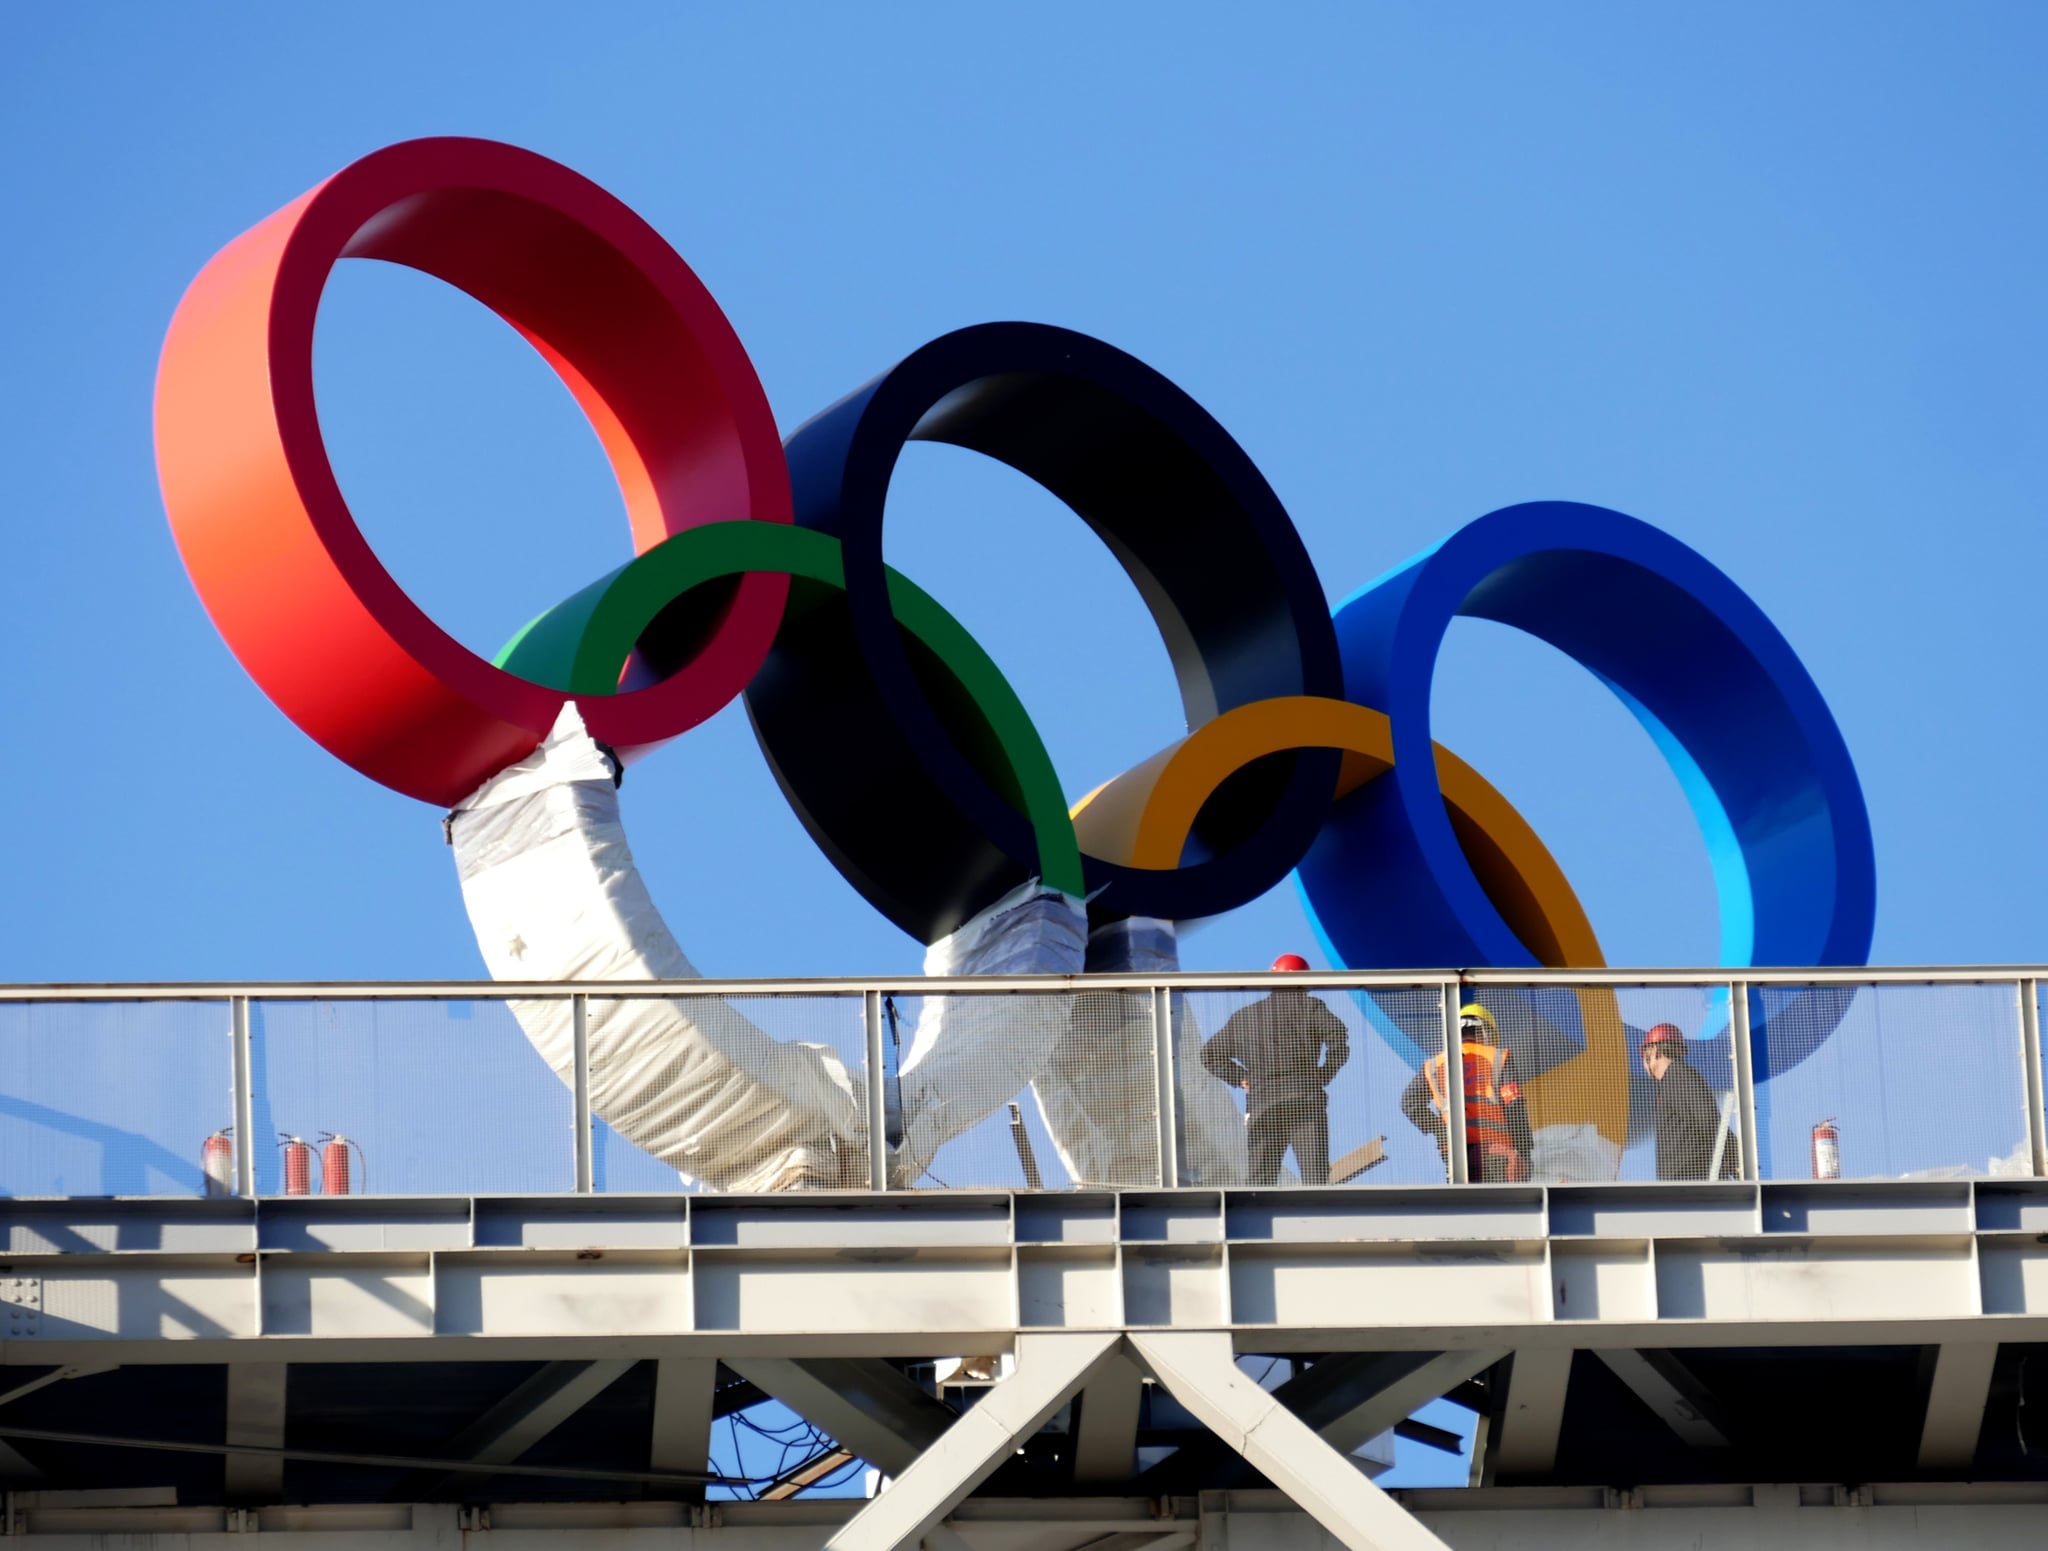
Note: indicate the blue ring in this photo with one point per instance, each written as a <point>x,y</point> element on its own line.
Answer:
<point>1706,673</point>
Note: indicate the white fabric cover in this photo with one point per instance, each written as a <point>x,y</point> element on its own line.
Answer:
<point>1560,1154</point>
<point>553,894</point>
<point>1096,1093</point>
<point>969,1055</point>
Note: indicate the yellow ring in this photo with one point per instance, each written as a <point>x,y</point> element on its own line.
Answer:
<point>1143,818</point>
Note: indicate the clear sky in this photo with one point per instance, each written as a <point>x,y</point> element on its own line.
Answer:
<point>1768,277</point>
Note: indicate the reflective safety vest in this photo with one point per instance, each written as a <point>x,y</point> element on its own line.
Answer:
<point>1487,1095</point>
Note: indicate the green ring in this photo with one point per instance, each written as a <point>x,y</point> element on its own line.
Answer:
<point>581,645</point>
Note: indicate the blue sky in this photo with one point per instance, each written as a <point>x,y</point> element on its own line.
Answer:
<point>1767,277</point>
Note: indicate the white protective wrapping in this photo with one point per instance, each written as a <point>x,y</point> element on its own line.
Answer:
<point>1090,1090</point>
<point>970,1054</point>
<point>553,894</point>
<point>1560,1154</point>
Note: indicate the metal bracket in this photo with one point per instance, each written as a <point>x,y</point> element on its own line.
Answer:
<point>22,1298</point>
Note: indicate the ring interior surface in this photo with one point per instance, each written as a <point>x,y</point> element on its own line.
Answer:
<point>1193,523</point>
<point>1717,687</point>
<point>269,540</point>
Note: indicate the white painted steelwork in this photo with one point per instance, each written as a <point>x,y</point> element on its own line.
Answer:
<point>913,1275</point>
<point>1910,1517</point>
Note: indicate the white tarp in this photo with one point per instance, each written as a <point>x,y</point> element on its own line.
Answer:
<point>553,894</point>
<point>1097,1091</point>
<point>972,1053</point>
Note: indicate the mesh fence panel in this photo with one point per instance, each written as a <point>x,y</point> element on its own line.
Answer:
<point>1284,1087</point>
<point>1025,1089</point>
<point>111,1098</point>
<point>440,1097</point>
<point>1595,1109</point>
<point>1918,1081</point>
<point>728,1093</point>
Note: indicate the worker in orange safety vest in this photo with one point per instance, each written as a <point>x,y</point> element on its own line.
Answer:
<point>1497,1139</point>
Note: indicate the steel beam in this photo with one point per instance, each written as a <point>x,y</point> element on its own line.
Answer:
<point>1955,1404</point>
<point>1200,1369</point>
<point>1525,1443</point>
<point>256,1402</point>
<point>685,1397</point>
<point>56,1376</point>
<point>349,1457</point>
<point>1050,1368</point>
<point>527,1415</point>
<point>1664,1384</point>
<point>917,1274</point>
<point>15,1467</point>
<point>1106,1432</point>
<point>1348,1399</point>
<point>860,1402</point>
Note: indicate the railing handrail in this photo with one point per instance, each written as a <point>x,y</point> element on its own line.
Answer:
<point>1162,1063</point>
<point>913,984</point>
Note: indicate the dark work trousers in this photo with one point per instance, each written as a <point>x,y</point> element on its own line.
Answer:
<point>1304,1125</point>
<point>1485,1165</point>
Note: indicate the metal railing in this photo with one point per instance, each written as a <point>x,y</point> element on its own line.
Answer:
<point>490,1087</point>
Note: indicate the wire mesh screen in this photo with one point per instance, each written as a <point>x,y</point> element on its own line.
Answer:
<point>739,1093</point>
<point>1598,1083</point>
<point>1889,1081</point>
<point>1285,1087</point>
<point>1022,1090</point>
<point>112,1098</point>
<point>427,1097</point>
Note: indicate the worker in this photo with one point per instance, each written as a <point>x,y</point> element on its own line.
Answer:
<point>1689,1122</point>
<point>1282,1051</point>
<point>1497,1139</point>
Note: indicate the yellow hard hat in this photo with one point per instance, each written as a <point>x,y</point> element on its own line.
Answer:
<point>1472,1012</point>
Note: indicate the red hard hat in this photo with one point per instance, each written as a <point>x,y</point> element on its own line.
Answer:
<point>1290,961</point>
<point>1664,1034</point>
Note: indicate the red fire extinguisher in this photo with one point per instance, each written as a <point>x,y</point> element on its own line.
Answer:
<point>336,1174</point>
<point>298,1165</point>
<point>1827,1151</point>
<point>217,1162</point>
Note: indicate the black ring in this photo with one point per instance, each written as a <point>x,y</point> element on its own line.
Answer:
<point>865,757</point>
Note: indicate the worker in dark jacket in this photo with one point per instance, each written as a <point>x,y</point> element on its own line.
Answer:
<point>1283,1050</point>
<point>1689,1120</point>
<point>1497,1136</point>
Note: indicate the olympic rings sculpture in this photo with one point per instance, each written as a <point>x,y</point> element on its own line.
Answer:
<point>759,570</point>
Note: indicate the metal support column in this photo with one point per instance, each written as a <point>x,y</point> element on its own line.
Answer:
<point>1525,1442</point>
<point>579,1024</point>
<point>256,1412</point>
<point>1051,1366</point>
<point>1956,1395</point>
<point>1105,1435</point>
<point>244,1098</point>
<point>1164,1089</point>
<point>2030,1056</point>
<point>685,1394</point>
<point>876,1091</point>
<point>1454,1087</point>
<point>1745,1075</point>
<point>1199,1369</point>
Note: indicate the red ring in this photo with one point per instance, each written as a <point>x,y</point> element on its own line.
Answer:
<point>270,544</point>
